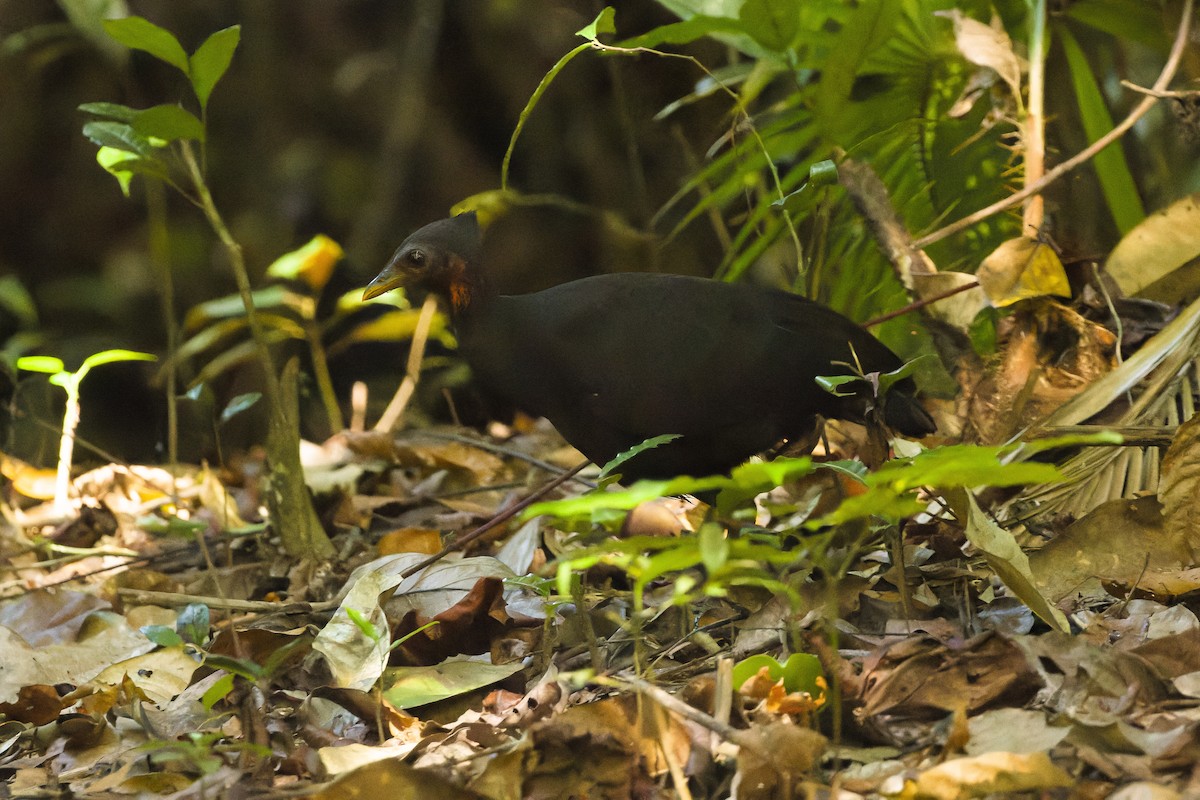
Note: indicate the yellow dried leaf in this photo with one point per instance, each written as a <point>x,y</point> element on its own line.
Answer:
<point>1022,268</point>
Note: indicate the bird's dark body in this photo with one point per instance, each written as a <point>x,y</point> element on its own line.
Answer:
<point>613,360</point>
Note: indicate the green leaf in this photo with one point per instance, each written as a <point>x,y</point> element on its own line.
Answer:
<point>239,404</point>
<point>686,32</point>
<point>123,165</point>
<point>906,370</point>
<point>605,22</point>
<point>588,505</point>
<point>168,123</point>
<point>162,636</point>
<point>775,24</point>
<point>1116,181</point>
<point>800,673</point>
<point>217,691</point>
<point>649,444</point>
<point>17,302</point>
<point>119,136</point>
<point>114,111</point>
<point>110,356</point>
<point>714,547</point>
<point>142,34</point>
<point>408,687</point>
<point>1128,20</point>
<point>834,383</point>
<point>47,364</point>
<point>211,60</point>
<point>193,623</point>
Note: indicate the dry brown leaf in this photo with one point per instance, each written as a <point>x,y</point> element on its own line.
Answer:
<point>1179,488</point>
<point>991,773</point>
<point>410,540</point>
<point>1048,353</point>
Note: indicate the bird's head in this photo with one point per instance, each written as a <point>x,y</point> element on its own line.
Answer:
<point>440,257</point>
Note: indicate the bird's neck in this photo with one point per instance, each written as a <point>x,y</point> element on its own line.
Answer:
<point>467,291</point>
<point>468,294</point>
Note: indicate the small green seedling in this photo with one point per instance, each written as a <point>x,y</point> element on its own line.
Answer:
<point>70,381</point>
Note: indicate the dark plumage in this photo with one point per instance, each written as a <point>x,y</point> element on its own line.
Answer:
<point>613,360</point>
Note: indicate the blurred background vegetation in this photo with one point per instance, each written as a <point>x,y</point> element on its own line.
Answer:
<point>364,119</point>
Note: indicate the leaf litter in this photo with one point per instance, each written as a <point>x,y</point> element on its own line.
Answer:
<point>927,673</point>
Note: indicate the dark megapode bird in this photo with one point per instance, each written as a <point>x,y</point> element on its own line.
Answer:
<point>613,360</point>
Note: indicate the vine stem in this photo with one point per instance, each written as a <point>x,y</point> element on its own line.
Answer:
<point>1139,111</point>
<point>238,262</point>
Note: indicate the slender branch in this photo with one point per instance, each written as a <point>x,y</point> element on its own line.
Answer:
<point>238,262</point>
<point>502,517</point>
<point>1168,73</point>
<point>924,301</point>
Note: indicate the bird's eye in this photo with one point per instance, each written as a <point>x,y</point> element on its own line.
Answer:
<point>416,258</point>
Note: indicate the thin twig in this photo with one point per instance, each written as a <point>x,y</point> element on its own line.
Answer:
<point>1168,72</point>
<point>502,517</point>
<point>500,449</point>
<point>925,301</point>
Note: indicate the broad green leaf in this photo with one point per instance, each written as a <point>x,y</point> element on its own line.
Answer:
<point>162,636</point>
<point>775,24</point>
<point>605,22</point>
<point>211,60</point>
<point>114,111</point>
<point>142,34</point>
<point>1128,20</point>
<point>47,364</point>
<point>168,123</point>
<point>800,673</point>
<point>686,32</point>
<point>119,136</point>
<point>755,477</point>
<point>868,29</point>
<point>1120,191</point>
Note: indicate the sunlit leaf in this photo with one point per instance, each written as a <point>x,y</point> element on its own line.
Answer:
<point>313,263</point>
<point>141,34</point>
<point>111,356</point>
<point>168,123</point>
<point>47,364</point>
<point>605,22</point>
<point>211,60</point>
